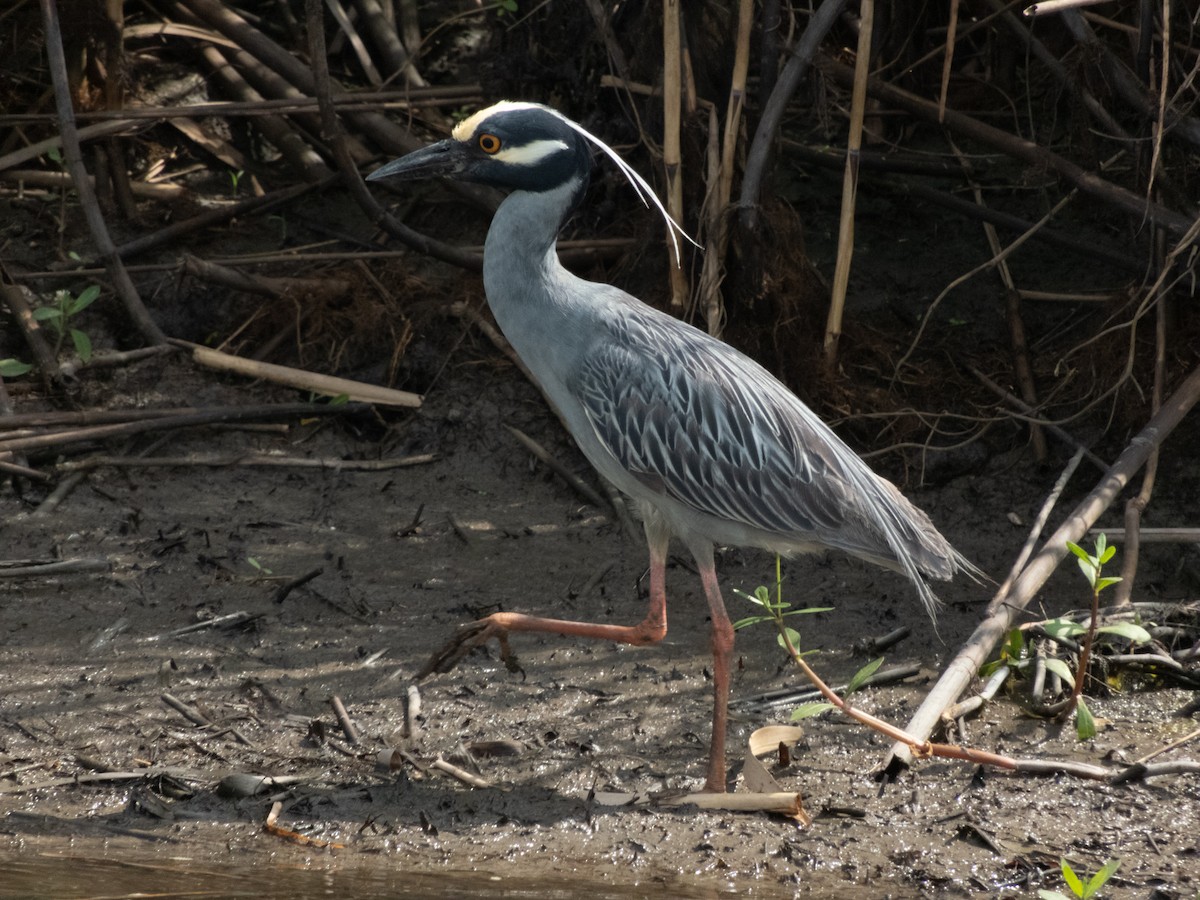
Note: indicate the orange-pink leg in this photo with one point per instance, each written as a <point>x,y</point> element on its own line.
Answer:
<point>722,652</point>
<point>650,630</point>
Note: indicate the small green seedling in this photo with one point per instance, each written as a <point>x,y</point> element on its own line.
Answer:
<point>1092,566</point>
<point>234,179</point>
<point>1076,884</point>
<point>775,611</point>
<point>257,565</point>
<point>58,316</point>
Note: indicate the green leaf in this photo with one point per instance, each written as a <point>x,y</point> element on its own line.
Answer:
<point>1105,555</point>
<point>83,344</point>
<point>1098,880</point>
<point>55,155</point>
<point>1014,646</point>
<point>1061,669</point>
<point>1085,725</point>
<point>84,300</point>
<point>1060,627</point>
<point>863,674</point>
<point>1102,583</point>
<point>806,610</point>
<point>1127,630</point>
<point>46,313</point>
<point>1044,894</point>
<point>762,596</point>
<point>1072,879</point>
<point>808,710</point>
<point>1089,570</point>
<point>1079,551</point>
<point>756,598</point>
<point>13,368</point>
<point>792,635</point>
<point>750,620</point>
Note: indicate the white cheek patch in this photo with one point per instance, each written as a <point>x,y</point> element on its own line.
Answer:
<point>530,154</point>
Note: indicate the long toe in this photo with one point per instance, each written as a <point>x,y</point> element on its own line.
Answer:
<point>464,640</point>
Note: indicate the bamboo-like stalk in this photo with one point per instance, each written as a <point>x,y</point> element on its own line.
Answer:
<point>672,158</point>
<point>717,204</point>
<point>948,59</point>
<point>858,103</point>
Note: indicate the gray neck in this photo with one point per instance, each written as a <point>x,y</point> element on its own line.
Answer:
<point>527,288</point>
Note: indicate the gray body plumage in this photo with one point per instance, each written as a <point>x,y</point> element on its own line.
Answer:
<point>701,436</point>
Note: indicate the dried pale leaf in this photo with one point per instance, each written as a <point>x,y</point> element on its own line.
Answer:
<point>755,776</point>
<point>759,782</point>
<point>390,760</point>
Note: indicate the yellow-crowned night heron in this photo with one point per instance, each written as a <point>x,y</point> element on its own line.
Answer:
<point>710,446</point>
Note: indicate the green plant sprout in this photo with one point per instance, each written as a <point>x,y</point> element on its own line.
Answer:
<point>1014,652</point>
<point>776,611</point>
<point>1092,567</point>
<point>235,178</point>
<point>253,561</point>
<point>1079,889</point>
<point>58,317</point>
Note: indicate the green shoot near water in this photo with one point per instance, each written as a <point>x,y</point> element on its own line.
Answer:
<point>776,610</point>
<point>1079,888</point>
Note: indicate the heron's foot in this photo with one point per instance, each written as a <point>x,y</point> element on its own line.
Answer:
<point>467,638</point>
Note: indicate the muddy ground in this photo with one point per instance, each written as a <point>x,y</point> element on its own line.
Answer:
<point>406,555</point>
<point>84,670</point>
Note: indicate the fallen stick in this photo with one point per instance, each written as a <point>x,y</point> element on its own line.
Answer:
<point>580,486</point>
<point>162,423</point>
<point>63,180</point>
<point>192,715</point>
<point>215,622</point>
<point>343,718</point>
<point>1004,607</point>
<point>327,385</point>
<point>241,459</point>
<point>33,569</point>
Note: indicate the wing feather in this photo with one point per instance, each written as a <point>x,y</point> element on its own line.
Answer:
<point>709,427</point>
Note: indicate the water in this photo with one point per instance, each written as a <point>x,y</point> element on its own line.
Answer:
<point>67,876</point>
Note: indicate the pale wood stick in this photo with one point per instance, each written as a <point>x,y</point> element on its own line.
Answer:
<point>1003,609</point>
<point>252,459</point>
<point>343,717</point>
<point>161,191</point>
<point>328,385</point>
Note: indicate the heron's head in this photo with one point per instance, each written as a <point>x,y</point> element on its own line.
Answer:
<point>521,147</point>
<point>516,146</point>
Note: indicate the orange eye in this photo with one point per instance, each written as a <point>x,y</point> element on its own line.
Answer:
<point>489,143</point>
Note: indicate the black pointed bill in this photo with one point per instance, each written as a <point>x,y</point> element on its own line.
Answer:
<point>445,158</point>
